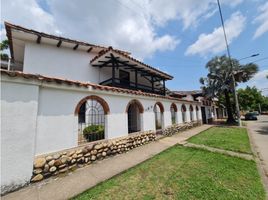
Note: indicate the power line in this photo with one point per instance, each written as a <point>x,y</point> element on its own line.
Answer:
<point>265,58</point>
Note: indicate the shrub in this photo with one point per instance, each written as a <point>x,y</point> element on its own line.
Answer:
<point>93,129</point>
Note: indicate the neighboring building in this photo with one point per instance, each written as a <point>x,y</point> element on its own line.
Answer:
<point>61,86</point>
<point>210,108</point>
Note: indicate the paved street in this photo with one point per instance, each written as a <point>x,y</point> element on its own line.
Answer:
<point>258,131</point>
<point>259,134</point>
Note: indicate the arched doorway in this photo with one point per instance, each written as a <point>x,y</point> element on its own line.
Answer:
<point>183,113</point>
<point>91,113</point>
<point>158,113</point>
<point>191,113</point>
<point>134,111</point>
<point>196,112</point>
<point>173,111</point>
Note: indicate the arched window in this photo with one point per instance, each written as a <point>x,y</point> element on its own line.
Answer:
<point>191,113</point>
<point>91,113</point>
<point>173,111</point>
<point>196,112</point>
<point>158,112</point>
<point>183,113</point>
<point>134,110</point>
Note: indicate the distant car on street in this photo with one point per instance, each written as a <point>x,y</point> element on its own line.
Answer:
<point>251,116</point>
<point>256,113</point>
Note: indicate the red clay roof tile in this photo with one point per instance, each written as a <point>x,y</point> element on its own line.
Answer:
<point>39,77</point>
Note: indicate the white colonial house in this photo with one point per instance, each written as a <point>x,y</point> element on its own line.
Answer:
<point>56,87</point>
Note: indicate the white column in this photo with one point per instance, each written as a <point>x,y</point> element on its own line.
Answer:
<point>215,113</point>
<point>148,121</point>
<point>166,119</point>
<point>194,113</point>
<point>141,122</point>
<point>200,113</point>
<point>116,125</point>
<point>179,114</point>
<point>188,113</point>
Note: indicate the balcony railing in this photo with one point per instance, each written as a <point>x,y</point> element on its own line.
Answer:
<point>116,82</point>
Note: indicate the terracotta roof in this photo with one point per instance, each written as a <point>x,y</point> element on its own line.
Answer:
<point>10,26</point>
<point>192,92</point>
<point>57,80</point>
<point>110,49</point>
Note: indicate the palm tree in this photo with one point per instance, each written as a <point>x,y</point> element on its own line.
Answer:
<point>219,79</point>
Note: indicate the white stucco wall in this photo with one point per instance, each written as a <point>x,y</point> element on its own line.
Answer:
<point>60,62</point>
<point>19,104</point>
<point>56,124</point>
<point>69,64</point>
<point>39,118</point>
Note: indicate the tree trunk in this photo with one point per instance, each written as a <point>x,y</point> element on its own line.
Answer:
<point>230,118</point>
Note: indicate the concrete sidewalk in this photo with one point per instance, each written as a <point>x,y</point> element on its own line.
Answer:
<point>82,179</point>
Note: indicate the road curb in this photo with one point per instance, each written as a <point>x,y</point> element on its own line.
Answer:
<point>258,159</point>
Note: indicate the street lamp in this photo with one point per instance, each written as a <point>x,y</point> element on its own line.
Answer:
<point>253,55</point>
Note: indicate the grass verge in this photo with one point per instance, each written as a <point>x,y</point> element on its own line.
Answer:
<point>228,138</point>
<point>183,173</point>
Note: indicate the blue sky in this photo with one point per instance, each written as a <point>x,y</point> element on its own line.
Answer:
<point>176,36</point>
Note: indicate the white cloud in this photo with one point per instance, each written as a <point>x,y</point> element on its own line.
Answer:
<point>125,24</point>
<point>3,34</point>
<point>29,14</point>
<point>214,42</point>
<point>260,81</point>
<point>262,18</point>
<point>231,3</point>
<point>190,12</point>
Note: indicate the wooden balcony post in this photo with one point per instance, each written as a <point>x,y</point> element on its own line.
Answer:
<point>152,80</point>
<point>113,69</point>
<point>164,85</point>
<point>136,79</point>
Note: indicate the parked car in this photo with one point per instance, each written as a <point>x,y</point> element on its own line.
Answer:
<point>256,113</point>
<point>251,116</point>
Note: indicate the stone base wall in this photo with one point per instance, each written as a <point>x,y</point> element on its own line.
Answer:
<point>180,127</point>
<point>54,164</point>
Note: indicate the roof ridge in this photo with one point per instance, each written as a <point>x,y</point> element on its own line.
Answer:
<point>9,25</point>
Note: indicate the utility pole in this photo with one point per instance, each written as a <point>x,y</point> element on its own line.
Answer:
<point>231,63</point>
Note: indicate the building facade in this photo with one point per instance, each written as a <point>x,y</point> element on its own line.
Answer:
<point>58,87</point>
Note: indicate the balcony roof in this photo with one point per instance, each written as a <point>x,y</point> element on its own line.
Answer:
<point>112,56</point>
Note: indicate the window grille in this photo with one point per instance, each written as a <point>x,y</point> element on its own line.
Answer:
<point>91,121</point>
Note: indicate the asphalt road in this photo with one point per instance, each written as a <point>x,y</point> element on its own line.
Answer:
<point>259,134</point>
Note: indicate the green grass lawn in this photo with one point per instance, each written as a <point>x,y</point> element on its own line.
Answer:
<point>229,138</point>
<point>184,173</point>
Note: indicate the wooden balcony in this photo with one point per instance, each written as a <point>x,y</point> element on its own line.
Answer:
<point>116,82</point>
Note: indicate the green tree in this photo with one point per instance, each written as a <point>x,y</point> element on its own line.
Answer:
<point>3,46</point>
<point>250,98</point>
<point>219,79</point>
<point>264,105</point>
